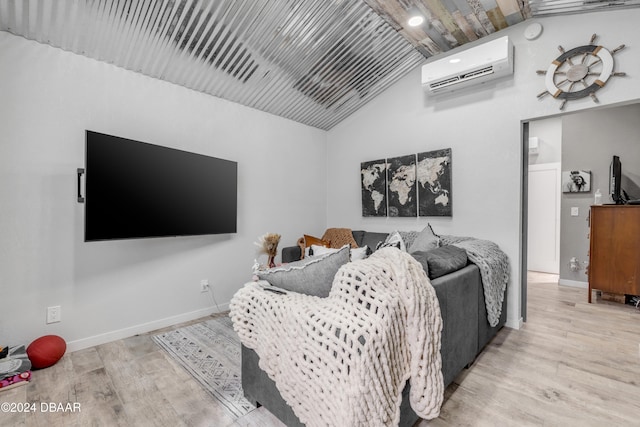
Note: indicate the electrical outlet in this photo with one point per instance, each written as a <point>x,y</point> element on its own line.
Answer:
<point>54,314</point>
<point>204,285</point>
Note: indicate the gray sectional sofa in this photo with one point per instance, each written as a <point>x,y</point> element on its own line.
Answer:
<point>465,333</point>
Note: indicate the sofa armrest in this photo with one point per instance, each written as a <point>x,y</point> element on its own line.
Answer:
<point>291,253</point>
<point>457,293</point>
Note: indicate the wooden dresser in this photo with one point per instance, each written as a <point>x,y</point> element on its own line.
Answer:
<point>614,256</point>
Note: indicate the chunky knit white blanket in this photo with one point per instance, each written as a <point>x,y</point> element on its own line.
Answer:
<point>344,360</point>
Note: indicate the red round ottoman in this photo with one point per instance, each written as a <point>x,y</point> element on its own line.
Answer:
<point>46,351</point>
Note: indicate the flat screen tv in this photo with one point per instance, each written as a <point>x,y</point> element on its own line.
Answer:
<point>615,175</point>
<point>138,190</point>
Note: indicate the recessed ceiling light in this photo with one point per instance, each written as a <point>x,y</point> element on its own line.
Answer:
<point>416,20</point>
<point>455,60</point>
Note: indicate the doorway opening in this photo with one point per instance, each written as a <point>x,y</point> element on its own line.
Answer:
<point>586,141</point>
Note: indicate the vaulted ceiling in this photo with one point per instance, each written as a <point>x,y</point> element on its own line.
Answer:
<point>312,61</point>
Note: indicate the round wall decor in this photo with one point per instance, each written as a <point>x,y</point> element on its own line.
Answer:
<point>579,72</point>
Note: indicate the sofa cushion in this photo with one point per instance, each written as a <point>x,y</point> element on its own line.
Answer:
<point>443,260</point>
<point>425,241</point>
<point>312,276</point>
<point>358,235</point>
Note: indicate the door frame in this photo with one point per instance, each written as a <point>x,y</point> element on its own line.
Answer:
<point>524,192</point>
<point>524,217</point>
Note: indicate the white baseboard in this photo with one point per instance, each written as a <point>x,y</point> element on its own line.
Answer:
<point>573,283</point>
<point>514,323</point>
<point>143,328</point>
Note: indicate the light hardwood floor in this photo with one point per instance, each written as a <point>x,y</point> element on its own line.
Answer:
<point>572,364</point>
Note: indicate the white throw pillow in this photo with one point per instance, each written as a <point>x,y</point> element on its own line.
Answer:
<point>394,239</point>
<point>359,253</point>
<point>322,250</point>
<point>355,253</point>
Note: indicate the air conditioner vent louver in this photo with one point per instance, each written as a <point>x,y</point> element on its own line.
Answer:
<point>470,67</point>
<point>466,76</point>
<point>443,83</point>
<point>477,73</point>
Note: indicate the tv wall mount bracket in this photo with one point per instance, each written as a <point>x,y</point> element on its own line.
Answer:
<point>80,173</point>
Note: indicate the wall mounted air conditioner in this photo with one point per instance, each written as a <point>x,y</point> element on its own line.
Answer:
<point>479,64</point>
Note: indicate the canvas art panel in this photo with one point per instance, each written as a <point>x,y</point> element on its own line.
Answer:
<point>434,183</point>
<point>576,181</point>
<point>401,186</point>
<point>373,178</point>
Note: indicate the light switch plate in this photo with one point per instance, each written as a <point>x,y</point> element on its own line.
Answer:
<point>575,211</point>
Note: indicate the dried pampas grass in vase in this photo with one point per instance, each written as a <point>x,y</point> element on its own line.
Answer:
<point>268,244</point>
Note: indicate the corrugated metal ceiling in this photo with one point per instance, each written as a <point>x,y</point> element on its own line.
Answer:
<point>563,7</point>
<point>312,61</point>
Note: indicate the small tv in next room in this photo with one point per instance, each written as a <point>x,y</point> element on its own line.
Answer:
<point>615,175</point>
<point>137,190</point>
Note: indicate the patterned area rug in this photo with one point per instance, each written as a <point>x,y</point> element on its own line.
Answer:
<point>210,352</point>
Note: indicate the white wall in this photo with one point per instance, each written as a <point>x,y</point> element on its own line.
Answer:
<point>483,128</point>
<point>549,134</point>
<point>113,289</point>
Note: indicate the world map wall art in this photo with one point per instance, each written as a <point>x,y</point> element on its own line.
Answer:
<point>373,177</point>
<point>407,186</point>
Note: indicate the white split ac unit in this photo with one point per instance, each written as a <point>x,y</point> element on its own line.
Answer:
<point>479,64</point>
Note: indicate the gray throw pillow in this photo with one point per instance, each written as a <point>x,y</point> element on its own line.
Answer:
<point>443,260</point>
<point>425,241</point>
<point>408,237</point>
<point>312,276</point>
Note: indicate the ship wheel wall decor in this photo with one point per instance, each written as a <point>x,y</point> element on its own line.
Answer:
<point>579,72</point>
